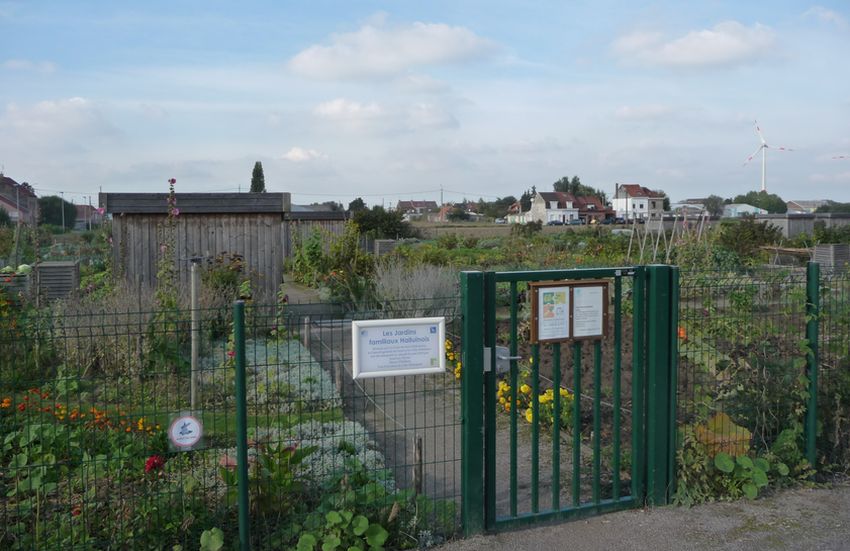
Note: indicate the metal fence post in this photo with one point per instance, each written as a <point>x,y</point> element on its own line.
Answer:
<point>241,425</point>
<point>659,367</point>
<point>472,414</point>
<point>812,320</point>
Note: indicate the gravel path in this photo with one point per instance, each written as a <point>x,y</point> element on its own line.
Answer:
<point>798,519</point>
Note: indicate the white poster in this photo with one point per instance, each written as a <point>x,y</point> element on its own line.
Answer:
<point>588,311</point>
<point>387,348</point>
<point>553,313</point>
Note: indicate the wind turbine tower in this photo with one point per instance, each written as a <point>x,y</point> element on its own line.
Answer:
<point>763,148</point>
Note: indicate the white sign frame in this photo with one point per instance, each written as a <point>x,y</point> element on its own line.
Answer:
<point>186,419</point>
<point>364,367</point>
<point>588,315</point>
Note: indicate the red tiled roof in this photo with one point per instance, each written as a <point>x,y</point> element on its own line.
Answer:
<point>559,196</point>
<point>635,190</point>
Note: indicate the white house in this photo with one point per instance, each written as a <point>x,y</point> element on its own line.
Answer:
<point>633,201</point>
<point>552,206</point>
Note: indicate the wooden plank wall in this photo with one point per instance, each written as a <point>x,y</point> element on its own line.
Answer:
<point>256,236</point>
<point>299,230</point>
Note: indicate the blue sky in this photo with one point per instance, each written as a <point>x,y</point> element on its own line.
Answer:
<point>395,100</point>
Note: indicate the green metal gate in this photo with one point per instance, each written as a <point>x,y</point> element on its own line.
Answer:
<point>598,431</point>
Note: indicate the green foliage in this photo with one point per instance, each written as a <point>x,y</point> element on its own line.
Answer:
<point>822,234</point>
<point>770,202</point>
<point>497,208</point>
<point>212,539</point>
<point>458,214</point>
<point>577,189</point>
<point>344,530</point>
<point>714,205</point>
<point>379,223</point>
<point>258,179</point>
<point>356,205</point>
<point>50,209</point>
<point>5,219</point>
<point>744,236</point>
<point>527,230</point>
<point>834,206</point>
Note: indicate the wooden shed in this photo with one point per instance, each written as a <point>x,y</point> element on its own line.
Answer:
<point>252,225</point>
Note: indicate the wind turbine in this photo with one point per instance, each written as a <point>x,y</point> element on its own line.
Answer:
<point>841,157</point>
<point>763,148</point>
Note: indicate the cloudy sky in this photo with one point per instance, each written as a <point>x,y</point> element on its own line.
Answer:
<point>389,100</point>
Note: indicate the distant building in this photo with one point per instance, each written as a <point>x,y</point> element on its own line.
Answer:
<point>591,208</point>
<point>553,206</point>
<point>87,216</point>
<point>19,201</point>
<point>416,207</point>
<point>735,210</point>
<point>633,201</point>
<point>804,207</point>
<point>687,208</point>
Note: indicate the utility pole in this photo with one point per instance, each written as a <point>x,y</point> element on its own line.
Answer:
<point>62,206</point>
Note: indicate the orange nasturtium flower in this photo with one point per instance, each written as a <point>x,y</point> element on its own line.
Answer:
<point>682,333</point>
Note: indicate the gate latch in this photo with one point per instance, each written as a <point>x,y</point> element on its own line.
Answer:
<point>503,359</point>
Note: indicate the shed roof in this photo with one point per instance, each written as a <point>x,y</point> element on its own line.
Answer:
<point>195,203</point>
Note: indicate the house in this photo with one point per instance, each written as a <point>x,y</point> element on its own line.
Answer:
<point>87,217</point>
<point>515,214</point>
<point>688,208</point>
<point>553,206</point>
<point>416,207</point>
<point>736,210</point>
<point>805,207</point>
<point>633,201</point>
<point>591,209</point>
<point>19,200</point>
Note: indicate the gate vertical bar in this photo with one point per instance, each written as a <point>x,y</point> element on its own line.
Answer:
<point>513,398</point>
<point>556,426</point>
<point>490,401</point>
<point>672,439</point>
<point>241,426</point>
<point>659,333</point>
<point>472,414</point>
<point>577,424</point>
<point>615,463</point>
<point>535,428</point>
<point>597,419</point>
<point>638,390</point>
<point>812,320</point>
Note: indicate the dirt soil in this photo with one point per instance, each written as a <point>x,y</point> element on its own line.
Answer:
<point>798,519</point>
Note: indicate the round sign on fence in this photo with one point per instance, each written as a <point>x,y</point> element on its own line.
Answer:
<point>185,431</point>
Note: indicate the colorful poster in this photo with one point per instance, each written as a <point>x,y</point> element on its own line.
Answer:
<point>553,320</point>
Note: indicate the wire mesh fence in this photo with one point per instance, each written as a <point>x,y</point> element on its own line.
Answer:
<point>92,405</point>
<point>747,363</point>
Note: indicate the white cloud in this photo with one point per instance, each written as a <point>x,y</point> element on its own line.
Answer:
<point>427,115</point>
<point>301,155</point>
<point>642,112</point>
<point>27,65</point>
<point>727,43</point>
<point>376,50</point>
<point>75,120</point>
<point>341,108</point>
<point>827,16</point>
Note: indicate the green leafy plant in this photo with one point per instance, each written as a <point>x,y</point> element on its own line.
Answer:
<point>344,530</point>
<point>212,539</point>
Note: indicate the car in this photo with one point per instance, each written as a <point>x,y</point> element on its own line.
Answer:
<point>501,221</point>
<point>619,220</point>
<point>555,223</point>
<point>576,222</point>
<point>608,221</point>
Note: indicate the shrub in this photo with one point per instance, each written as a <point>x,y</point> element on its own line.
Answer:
<point>420,290</point>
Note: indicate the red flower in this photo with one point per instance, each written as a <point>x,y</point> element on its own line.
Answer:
<point>76,511</point>
<point>231,353</point>
<point>172,181</point>
<point>154,462</point>
<point>22,406</point>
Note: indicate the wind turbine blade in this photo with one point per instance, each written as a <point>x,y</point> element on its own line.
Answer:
<point>842,157</point>
<point>753,154</point>
<point>758,131</point>
<point>778,148</point>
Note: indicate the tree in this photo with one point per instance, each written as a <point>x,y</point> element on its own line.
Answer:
<point>356,205</point>
<point>770,202</point>
<point>51,208</point>
<point>665,204</point>
<point>526,197</point>
<point>258,179</point>
<point>5,219</point>
<point>574,187</point>
<point>832,206</point>
<point>458,214</point>
<point>382,224</point>
<point>714,205</point>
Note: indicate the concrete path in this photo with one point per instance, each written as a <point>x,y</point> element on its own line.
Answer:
<point>799,519</point>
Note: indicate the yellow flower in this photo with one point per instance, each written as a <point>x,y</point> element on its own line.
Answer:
<point>529,415</point>
<point>525,389</point>
<point>141,423</point>
<point>448,344</point>
<point>451,356</point>
<point>508,406</point>
<point>502,400</point>
<point>545,398</point>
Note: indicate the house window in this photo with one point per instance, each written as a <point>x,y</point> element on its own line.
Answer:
<point>640,206</point>
<point>653,204</point>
